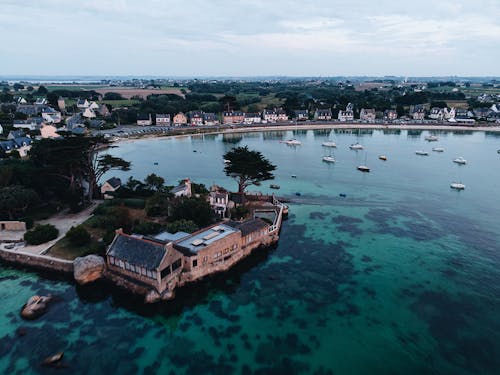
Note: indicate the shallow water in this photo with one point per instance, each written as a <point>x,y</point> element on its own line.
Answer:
<point>401,276</point>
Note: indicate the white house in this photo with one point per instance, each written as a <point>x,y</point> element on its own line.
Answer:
<point>367,114</point>
<point>183,189</point>
<point>219,200</point>
<point>82,103</point>
<point>1,129</point>
<point>110,186</point>
<point>323,114</point>
<point>252,118</point>
<point>89,113</point>
<point>50,115</point>
<point>270,115</point>
<point>348,114</point>
<point>162,119</point>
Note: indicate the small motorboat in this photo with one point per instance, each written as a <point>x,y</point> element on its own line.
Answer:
<point>298,194</point>
<point>329,144</point>
<point>155,163</point>
<point>422,153</point>
<point>383,157</point>
<point>329,159</point>
<point>356,146</point>
<point>226,161</point>
<point>273,186</point>
<point>293,142</point>
<point>293,176</point>
<point>363,168</point>
<point>431,138</point>
<point>438,149</point>
<point>457,186</point>
<point>498,151</point>
<point>460,160</point>
<point>342,195</point>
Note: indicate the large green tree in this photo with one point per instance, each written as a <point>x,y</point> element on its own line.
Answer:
<point>15,200</point>
<point>76,160</point>
<point>247,167</point>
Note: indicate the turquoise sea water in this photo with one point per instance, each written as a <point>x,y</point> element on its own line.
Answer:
<point>400,276</point>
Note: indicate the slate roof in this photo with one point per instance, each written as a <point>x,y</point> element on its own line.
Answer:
<point>137,251</point>
<point>143,116</point>
<point>248,226</point>
<point>16,134</point>
<point>178,188</point>
<point>22,141</point>
<point>8,145</point>
<point>169,237</point>
<point>114,182</point>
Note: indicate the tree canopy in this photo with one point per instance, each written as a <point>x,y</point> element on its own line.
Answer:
<point>247,167</point>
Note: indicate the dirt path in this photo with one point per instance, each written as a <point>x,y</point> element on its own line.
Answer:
<point>62,222</point>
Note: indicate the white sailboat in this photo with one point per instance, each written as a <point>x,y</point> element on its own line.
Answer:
<point>431,138</point>
<point>457,186</point>
<point>460,160</point>
<point>438,149</point>
<point>328,144</point>
<point>293,142</point>
<point>329,159</point>
<point>363,168</point>
<point>356,146</point>
<point>422,153</point>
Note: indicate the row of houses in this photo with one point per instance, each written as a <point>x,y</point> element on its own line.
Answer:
<point>16,141</point>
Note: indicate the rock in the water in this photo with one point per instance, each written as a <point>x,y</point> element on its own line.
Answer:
<point>53,359</point>
<point>35,307</point>
<point>88,269</point>
<point>152,297</point>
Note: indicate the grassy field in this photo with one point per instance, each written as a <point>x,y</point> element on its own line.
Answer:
<point>74,87</point>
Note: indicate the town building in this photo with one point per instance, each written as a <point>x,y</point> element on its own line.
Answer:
<point>301,115</point>
<point>183,189</point>
<point>233,117</point>
<point>219,201</point>
<point>157,265</point>
<point>323,114</point>
<point>367,114</point>
<point>252,118</point>
<point>347,115</point>
<point>162,119</point>
<point>144,119</point>
<point>210,119</point>
<point>436,113</point>
<point>270,115</point>
<point>390,114</point>
<point>417,112</point>
<point>196,118</point>
<point>180,119</point>
<point>51,116</point>
<point>49,131</point>
<point>61,104</point>
<point>282,116</point>
<point>33,123</point>
<point>82,103</point>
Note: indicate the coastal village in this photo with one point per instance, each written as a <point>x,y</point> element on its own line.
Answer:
<point>162,248</point>
<point>31,112</point>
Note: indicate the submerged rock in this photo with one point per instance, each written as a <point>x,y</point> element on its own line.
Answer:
<point>35,307</point>
<point>88,269</point>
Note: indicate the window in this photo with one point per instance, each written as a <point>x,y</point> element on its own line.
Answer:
<point>176,264</point>
<point>154,274</point>
<point>195,262</point>
<point>111,260</point>
<point>165,272</point>
<point>143,271</point>
<point>122,265</point>
<point>149,274</point>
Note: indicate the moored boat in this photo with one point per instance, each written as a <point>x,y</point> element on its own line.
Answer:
<point>457,186</point>
<point>438,149</point>
<point>422,153</point>
<point>363,168</point>
<point>383,157</point>
<point>274,186</point>
<point>431,138</point>
<point>329,144</point>
<point>293,142</point>
<point>460,160</point>
<point>356,146</point>
<point>329,159</point>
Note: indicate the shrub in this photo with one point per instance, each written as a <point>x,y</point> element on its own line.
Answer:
<point>41,234</point>
<point>134,203</point>
<point>181,226</point>
<point>239,212</point>
<point>147,227</point>
<point>78,236</point>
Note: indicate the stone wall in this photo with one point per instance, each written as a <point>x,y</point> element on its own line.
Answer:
<point>13,226</point>
<point>40,262</point>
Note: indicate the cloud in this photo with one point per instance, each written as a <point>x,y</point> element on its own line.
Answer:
<point>327,37</point>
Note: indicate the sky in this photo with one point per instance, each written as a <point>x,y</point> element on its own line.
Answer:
<point>250,38</point>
